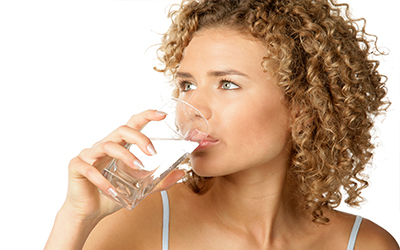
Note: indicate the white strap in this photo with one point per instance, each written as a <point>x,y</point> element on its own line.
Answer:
<point>354,232</point>
<point>165,229</point>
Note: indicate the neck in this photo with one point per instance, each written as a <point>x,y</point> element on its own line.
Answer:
<point>258,202</point>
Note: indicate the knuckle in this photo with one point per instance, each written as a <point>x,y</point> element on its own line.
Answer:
<point>123,130</point>
<point>105,146</point>
<point>136,126</point>
<point>74,161</point>
<point>97,143</point>
<point>123,127</point>
<point>82,158</point>
<point>84,154</point>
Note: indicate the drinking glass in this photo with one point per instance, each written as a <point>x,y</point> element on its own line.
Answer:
<point>174,138</point>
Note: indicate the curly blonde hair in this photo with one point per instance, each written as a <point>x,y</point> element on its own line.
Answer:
<point>321,58</point>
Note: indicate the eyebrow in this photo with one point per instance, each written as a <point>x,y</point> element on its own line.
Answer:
<point>215,73</point>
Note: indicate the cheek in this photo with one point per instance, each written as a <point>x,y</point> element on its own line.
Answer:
<point>265,124</point>
<point>250,137</point>
<point>261,140</point>
<point>257,126</point>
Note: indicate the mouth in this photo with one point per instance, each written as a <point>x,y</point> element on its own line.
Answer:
<point>208,142</point>
<point>195,135</point>
<point>205,141</point>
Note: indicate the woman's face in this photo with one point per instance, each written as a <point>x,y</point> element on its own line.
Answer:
<point>221,75</point>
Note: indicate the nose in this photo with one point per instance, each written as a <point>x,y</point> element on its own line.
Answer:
<point>201,102</point>
<point>193,123</point>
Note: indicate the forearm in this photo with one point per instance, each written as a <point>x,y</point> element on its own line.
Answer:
<point>69,233</point>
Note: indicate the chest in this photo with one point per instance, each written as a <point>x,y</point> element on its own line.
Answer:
<point>204,234</point>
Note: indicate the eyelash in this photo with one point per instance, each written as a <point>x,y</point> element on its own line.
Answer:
<point>227,80</point>
<point>182,84</point>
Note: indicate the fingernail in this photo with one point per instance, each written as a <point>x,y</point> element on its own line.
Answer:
<point>151,149</point>
<point>138,164</point>
<point>160,113</point>
<point>112,192</point>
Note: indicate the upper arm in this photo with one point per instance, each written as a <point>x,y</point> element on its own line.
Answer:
<point>371,236</point>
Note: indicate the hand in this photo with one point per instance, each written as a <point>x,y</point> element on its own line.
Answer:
<point>84,201</point>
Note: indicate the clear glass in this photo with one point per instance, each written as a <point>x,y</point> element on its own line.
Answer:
<point>174,138</point>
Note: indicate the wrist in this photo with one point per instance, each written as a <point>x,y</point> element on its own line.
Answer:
<point>70,230</point>
<point>79,219</point>
<point>71,217</point>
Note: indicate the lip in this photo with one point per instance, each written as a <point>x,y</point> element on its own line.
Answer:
<point>198,136</point>
<point>207,143</point>
<point>195,135</point>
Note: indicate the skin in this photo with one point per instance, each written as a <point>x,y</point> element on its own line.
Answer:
<point>249,203</point>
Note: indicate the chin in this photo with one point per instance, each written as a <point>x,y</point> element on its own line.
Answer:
<point>213,164</point>
<point>202,165</point>
<point>203,173</point>
<point>204,169</point>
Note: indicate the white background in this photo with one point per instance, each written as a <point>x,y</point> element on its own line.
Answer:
<point>72,71</point>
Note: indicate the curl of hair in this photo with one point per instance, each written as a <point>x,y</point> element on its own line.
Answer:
<point>322,59</point>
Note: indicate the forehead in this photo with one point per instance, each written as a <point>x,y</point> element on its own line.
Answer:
<point>222,47</point>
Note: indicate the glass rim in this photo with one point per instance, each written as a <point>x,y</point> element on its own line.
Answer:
<point>191,106</point>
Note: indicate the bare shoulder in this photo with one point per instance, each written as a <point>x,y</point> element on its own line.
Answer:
<point>137,229</point>
<point>372,236</point>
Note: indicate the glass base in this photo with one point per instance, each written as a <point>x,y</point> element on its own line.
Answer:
<point>130,191</point>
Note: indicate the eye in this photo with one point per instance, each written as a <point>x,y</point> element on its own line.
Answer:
<point>228,85</point>
<point>186,86</point>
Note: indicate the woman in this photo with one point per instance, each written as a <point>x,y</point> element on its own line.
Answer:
<point>290,96</point>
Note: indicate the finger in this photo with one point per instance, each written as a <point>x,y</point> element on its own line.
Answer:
<point>138,121</point>
<point>170,180</point>
<point>117,151</point>
<point>126,134</point>
<point>129,133</point>
<point>115,146</point>
<point>79,169</point>
<point>94,156</point>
